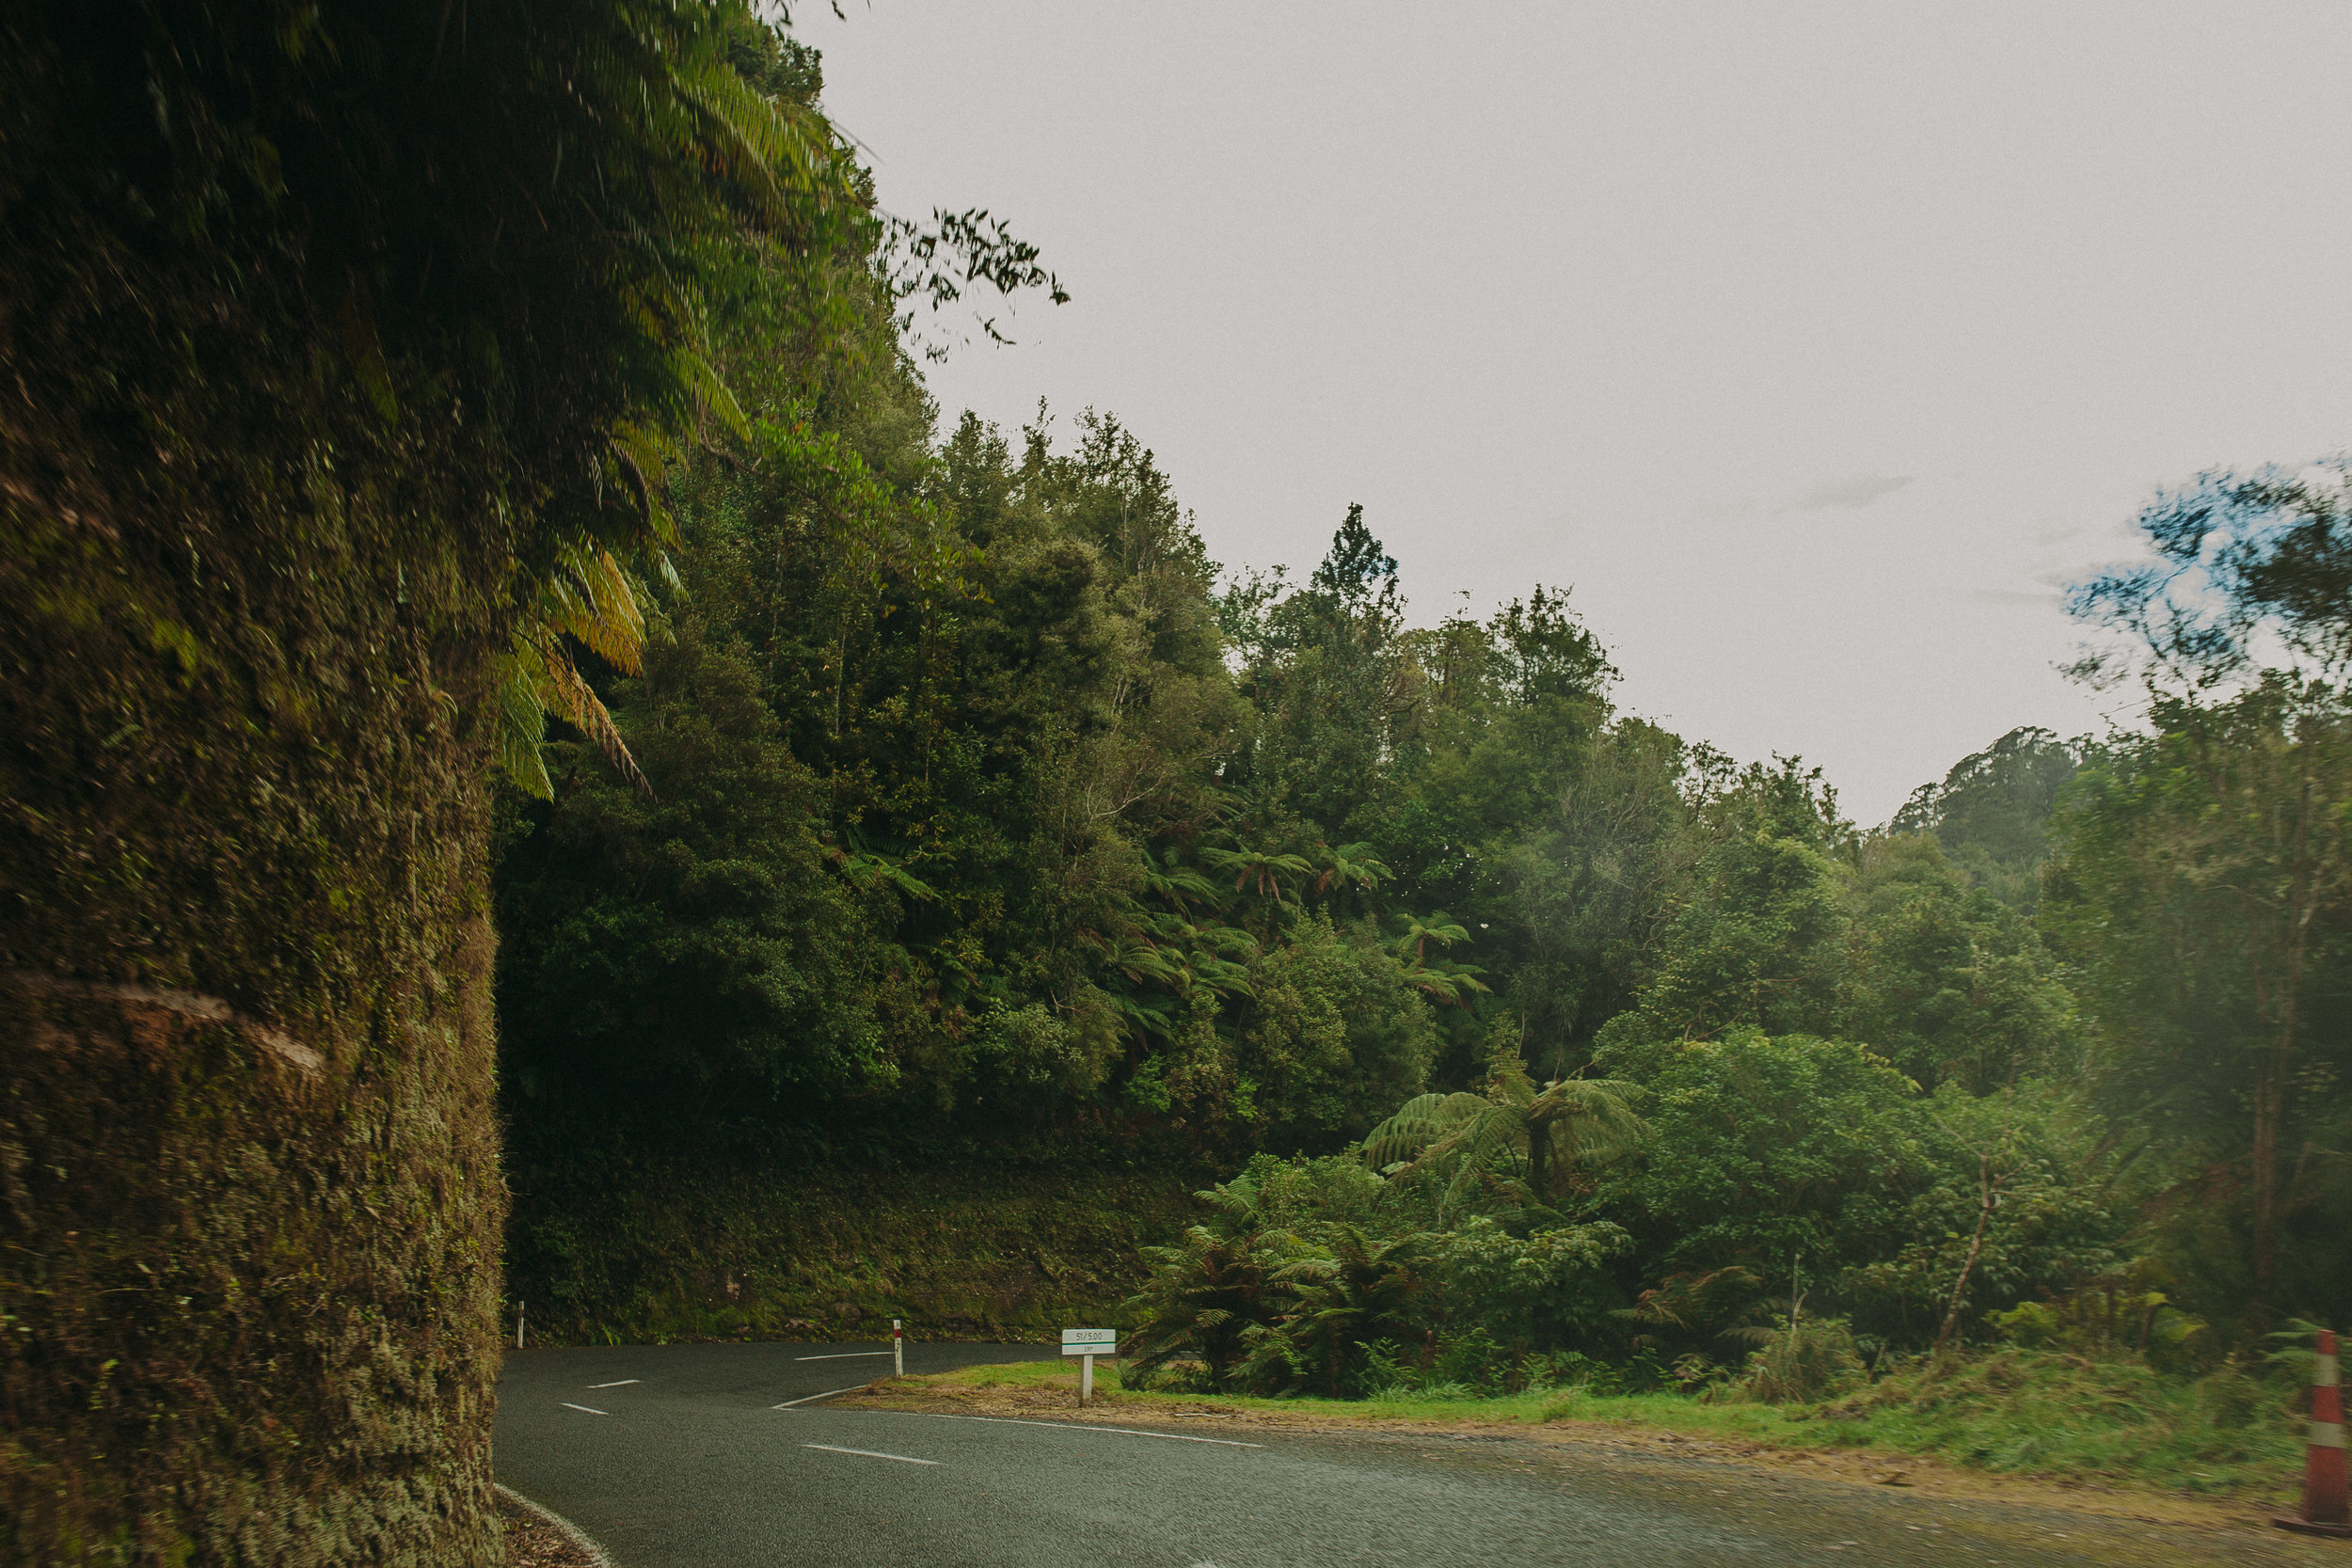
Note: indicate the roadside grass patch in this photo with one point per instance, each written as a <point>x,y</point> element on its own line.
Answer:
<point>2229,1434</point>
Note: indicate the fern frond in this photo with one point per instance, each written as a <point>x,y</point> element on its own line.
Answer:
<point>1418,1123</point>
<point>589,598</point>
<point>518,725</point>
<point>564,692</point>
<point>1590,1119</point>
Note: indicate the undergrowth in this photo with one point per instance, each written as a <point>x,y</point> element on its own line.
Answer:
<point>2230,1432</point>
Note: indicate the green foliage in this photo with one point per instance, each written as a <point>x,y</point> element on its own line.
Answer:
<point>1584,891</point>
<point>1548,1288</point>
<point>684,959</point>
<point>1317,1275</point>
<point>1514,1139</point>
<point>1766,1148</point>
<point>1756,940</point>
<point>1334,1030</point>
<point>2089,1415</point>
<point>2202,894</point>
<point>1992,812</point>
<point>984,761</point>
<point>1355,1292</point>
<point>1217,1289</point>
<point>1947,981</point>
<point>2123,1313</point>
<point>1805,1362</point>
<point>2021,1203</point>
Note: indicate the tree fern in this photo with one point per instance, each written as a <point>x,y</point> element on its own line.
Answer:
<point>1418,1123</point>
<point>1535,1138</point>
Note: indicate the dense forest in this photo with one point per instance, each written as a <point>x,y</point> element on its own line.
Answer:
<point>961,824</point>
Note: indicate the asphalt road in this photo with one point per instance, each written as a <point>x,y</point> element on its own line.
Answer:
<point>678,1456</point>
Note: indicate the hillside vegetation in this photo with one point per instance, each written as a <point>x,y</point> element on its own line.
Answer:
<point>964,830</point>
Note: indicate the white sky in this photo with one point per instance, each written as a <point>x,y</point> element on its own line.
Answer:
<point>1815,344</point>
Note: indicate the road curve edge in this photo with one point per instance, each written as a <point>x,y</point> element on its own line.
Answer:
<point>570,1531</point>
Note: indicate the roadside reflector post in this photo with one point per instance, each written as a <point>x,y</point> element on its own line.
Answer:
<point>518,1325</point>
<point>1086,1344</point>
<point>897,1350</point>
<point>2324,1509</point>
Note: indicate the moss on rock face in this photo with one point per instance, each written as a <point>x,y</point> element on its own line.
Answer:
<point>249,1196</point>
<point>728,1251</point>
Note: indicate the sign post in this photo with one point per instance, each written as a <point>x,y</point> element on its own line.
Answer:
<point>1086,1344</point>
<point>897,1350</point>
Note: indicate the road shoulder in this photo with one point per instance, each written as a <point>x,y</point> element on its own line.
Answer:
<point>537,1537</point>
<point>1049,1393</point>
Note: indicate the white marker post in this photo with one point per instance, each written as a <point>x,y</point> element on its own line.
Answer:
<point>897,1350</point>
<point>1088,1343</point>
<point>518,1325</point>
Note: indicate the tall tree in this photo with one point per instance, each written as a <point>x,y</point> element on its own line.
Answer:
<point>2206,867</point>
<point>1992,812</point>
<point>2203,891</point>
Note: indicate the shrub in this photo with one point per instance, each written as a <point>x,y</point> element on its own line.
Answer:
<point>1807,1362</point>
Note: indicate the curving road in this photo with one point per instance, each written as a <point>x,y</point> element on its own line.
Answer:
<point>696,1456</point>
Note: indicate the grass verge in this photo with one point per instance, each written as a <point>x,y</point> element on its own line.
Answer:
<point>2080,1422</point>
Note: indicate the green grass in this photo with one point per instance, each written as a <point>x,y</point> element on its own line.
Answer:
<point>2010,1412</point>
<point>2093,1417</point>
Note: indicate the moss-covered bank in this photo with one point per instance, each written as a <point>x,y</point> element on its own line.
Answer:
<point>707,1252</point>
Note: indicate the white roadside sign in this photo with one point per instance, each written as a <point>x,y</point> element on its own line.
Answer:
<point>1088,1343</point>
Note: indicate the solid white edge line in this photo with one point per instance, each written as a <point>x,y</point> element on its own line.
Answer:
<point>564,1526</point>
<point>869,1453</point>
<point>622,1384</point>
<point>805,1398</point>
<point>844,1355</point>
<point>584,1409</point>
<point>1083,1426</point>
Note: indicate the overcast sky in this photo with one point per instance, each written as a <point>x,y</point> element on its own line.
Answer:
<point>1816,345</point>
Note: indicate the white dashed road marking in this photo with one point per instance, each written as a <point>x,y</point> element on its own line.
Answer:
<point>805,1398</point>
<point>868,1453</point>
<point>845,1355</point>
<point>1087,1426</point>
<point>582,1408</point>
<point>622,1384</point>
